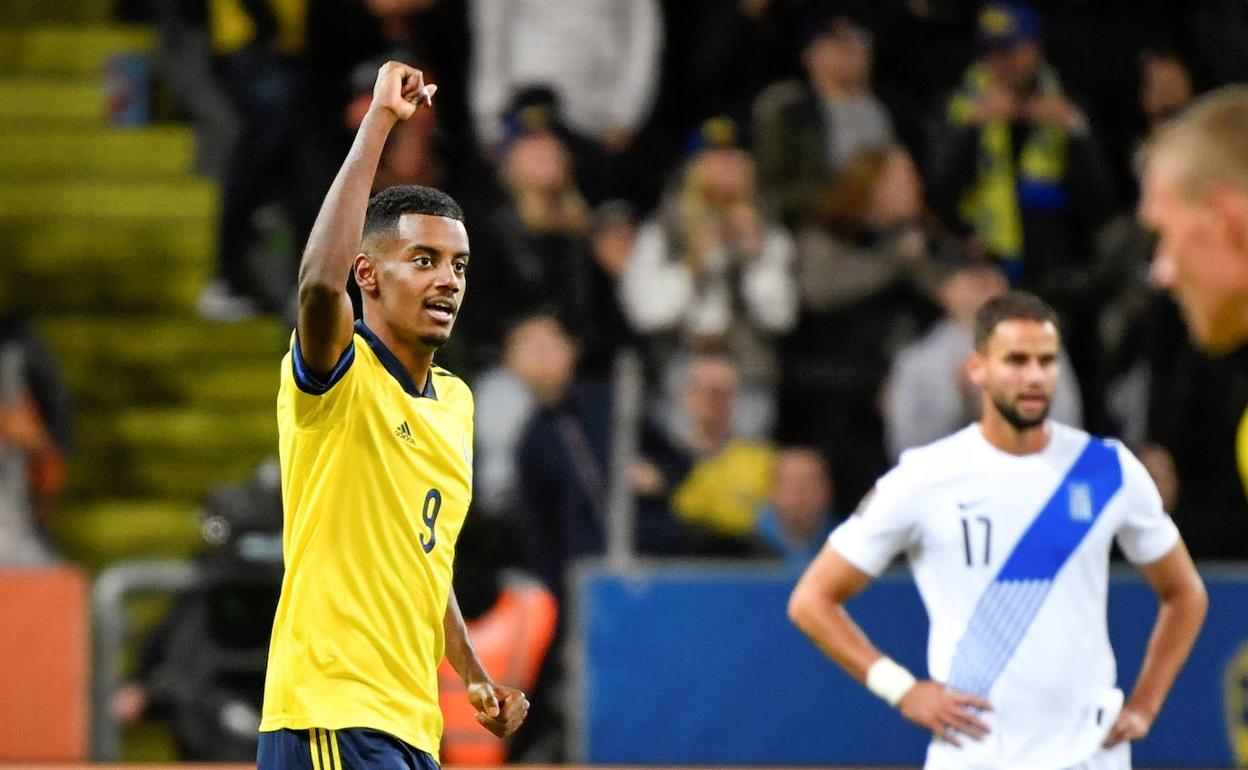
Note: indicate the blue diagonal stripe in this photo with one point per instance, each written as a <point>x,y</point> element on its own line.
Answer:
<point>1012,600</point>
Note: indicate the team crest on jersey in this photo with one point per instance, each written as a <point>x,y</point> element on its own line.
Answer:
<point>1236,684</point>
<point>1080,501</point>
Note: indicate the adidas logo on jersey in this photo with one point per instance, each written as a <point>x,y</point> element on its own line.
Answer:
<point>405,433</point>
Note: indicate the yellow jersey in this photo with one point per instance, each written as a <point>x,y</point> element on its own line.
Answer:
<point>723,491</point>
<point>1241,449</point>
<point>376,481</point>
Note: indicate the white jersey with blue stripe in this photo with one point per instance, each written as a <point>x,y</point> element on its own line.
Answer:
<point>1011,557</point>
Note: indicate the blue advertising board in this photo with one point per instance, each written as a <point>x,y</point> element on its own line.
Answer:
<point>700,665</point>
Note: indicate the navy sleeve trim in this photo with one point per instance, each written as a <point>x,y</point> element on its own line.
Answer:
<point>311,384</point>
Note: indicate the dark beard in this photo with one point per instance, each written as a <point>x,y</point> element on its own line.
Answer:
<point>1016,420</point>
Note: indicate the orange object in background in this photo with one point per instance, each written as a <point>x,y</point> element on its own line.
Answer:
<point>43,664</point>
<point>511,640</point>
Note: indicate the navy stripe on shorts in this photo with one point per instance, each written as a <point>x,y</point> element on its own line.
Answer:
<point>355,748</point>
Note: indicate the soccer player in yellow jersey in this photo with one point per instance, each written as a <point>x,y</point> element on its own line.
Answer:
<point>375,446</point>
<point>1195,196</point>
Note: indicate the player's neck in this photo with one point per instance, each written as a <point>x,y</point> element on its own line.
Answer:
<point>416,360</point>
<point>1011,440</point>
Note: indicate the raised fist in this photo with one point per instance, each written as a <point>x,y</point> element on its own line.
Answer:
<point>401,89</point>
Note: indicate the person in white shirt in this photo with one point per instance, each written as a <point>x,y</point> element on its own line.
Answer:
<point>601,57</point>
<point>1007,525</point>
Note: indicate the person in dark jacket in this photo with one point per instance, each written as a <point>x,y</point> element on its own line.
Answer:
<point>1016,168</point>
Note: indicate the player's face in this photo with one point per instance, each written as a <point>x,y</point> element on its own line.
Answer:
<point>1017,370</point>
<point>1196,259</point>
<point>421,278</point>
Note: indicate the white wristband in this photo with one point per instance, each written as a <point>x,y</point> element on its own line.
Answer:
<point>887,679</point>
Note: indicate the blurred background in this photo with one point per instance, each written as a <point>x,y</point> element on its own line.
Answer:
<point>726,254</point>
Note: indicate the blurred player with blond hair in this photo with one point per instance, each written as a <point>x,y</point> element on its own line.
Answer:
<point>1195,197</point>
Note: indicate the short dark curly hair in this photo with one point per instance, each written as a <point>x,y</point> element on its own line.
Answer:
<point>385,208</point>
<point>1011,306</point>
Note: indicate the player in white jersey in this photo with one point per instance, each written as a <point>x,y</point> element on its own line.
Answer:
<point>1007,525</point>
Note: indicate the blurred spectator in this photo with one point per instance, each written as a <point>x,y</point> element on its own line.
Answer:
<point>600,56</point>
<point>709,271</point>
<point>807,130</point>
<point>183,60</point>
<point>533,253</point>
<point>594,170</point>
<point>437,34</point>
<point>35,432</point>
<point>260,45</point>
<point>797,517</point>
<point>1016,164</point>
<point>921,53</point>
<point>202,668</point>
<point>537,360</point>
<point>702,60</point>
<point>412,152</point>
<point>861,269</point>
<point>1165,87</point>
<point>562,460</point>
<point>930,394</point>
<point>1015,161</point>
<point>730,476</point>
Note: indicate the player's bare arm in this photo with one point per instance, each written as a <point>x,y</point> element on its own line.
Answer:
<point>817,607</point>
<point>324,307</point>
<point>500,709</point>
<point>1183,600</point>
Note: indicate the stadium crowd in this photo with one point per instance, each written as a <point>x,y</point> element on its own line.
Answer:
<point>791,209</point>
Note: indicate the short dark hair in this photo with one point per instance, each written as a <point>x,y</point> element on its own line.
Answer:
<point>385,208</point>
<point>1011,306</point>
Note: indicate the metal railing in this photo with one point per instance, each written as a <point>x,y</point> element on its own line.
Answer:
<point>111,626</point>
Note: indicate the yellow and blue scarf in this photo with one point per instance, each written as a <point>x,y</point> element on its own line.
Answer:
<point>993,205</point>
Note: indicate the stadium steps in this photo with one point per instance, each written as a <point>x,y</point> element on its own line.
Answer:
<point>78,49</point>
<point>42,12</point>
<point>171,452</point>
<point>191,201</point>
<point>66,101</point>
<point>109,238</point>
<point>163,152</point>
<point>100,533</point>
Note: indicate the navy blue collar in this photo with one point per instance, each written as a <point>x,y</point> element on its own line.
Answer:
<point>397,370</point>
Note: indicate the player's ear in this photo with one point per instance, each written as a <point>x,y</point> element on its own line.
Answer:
<point>975,368</point>
<point>1232,207</point>
<point>365,274</point>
